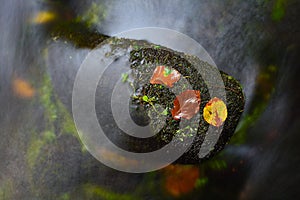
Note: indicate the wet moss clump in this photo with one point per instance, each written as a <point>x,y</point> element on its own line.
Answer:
<point>77,33</point>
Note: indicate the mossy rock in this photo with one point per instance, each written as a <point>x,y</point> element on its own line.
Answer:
<point>143,58</point>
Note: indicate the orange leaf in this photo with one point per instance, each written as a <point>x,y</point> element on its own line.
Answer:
<point>164,75</point>
<point>22,88</point>
<point>215,112</point>
<point>115,158</point>
<point>180,179</point>
<point>186,104</point>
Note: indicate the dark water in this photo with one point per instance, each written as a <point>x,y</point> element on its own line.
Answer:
<point>257,42</point>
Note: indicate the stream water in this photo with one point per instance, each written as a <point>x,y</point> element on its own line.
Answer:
<point>255,41</point>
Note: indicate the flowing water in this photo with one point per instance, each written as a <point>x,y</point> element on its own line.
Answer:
<point>255,41</point>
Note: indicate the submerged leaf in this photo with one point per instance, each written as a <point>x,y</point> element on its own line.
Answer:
<point>116,158</point>
<point>22,88</point>
<point>215,112</point>
<point>164,75</point>
<point>186,104</point>
<point>180,179</point>
<point>43,17</point>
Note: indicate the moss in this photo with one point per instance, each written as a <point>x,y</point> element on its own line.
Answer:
<point>55,112</point>
<point>278,10</point>
<point>201,182</point>
<point>61,22</point>
<point>36,146</point>
<point>96,192</point>
<point>216,164</point>
<point>58,121</point>
<point>77,33</point>
<point>93,15</point>
<point>65,196</point>
<point>6,190</point>
<point>49,136</point>
<point>33,151</point>
<point>68,125</point>
<point>47,100</point>
<point>264,90</point>
<point>247,121</point>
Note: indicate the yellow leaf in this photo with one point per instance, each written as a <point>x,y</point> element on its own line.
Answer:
<point>43,17</point>
<point>215,112</point>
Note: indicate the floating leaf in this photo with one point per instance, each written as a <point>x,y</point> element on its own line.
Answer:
<point>186,104</point>
<point>215,112</point>
<point>164,75</point>
<point>22,88</point>
<point>180,179</point>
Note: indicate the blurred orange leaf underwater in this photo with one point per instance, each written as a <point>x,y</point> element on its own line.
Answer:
<point>116,159</point>
<point>180,179</point>
<point>215,112</point>
<point>186,104</point>
<point>165,76</point>
<point>22,88</point>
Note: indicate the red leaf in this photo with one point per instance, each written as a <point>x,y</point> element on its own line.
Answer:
<point>186,104</point>
<point>164,75</point>
<point>180,179</point>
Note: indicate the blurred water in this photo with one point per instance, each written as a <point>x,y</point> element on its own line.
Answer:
<point>243,38</point>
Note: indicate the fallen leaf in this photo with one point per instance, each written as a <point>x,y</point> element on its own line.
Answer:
<point>164,75</point>
<point>215,112</point>
<point>180,179</point>
<point>43,17</point>
<point>186,104</point>
<point>22,88</point>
